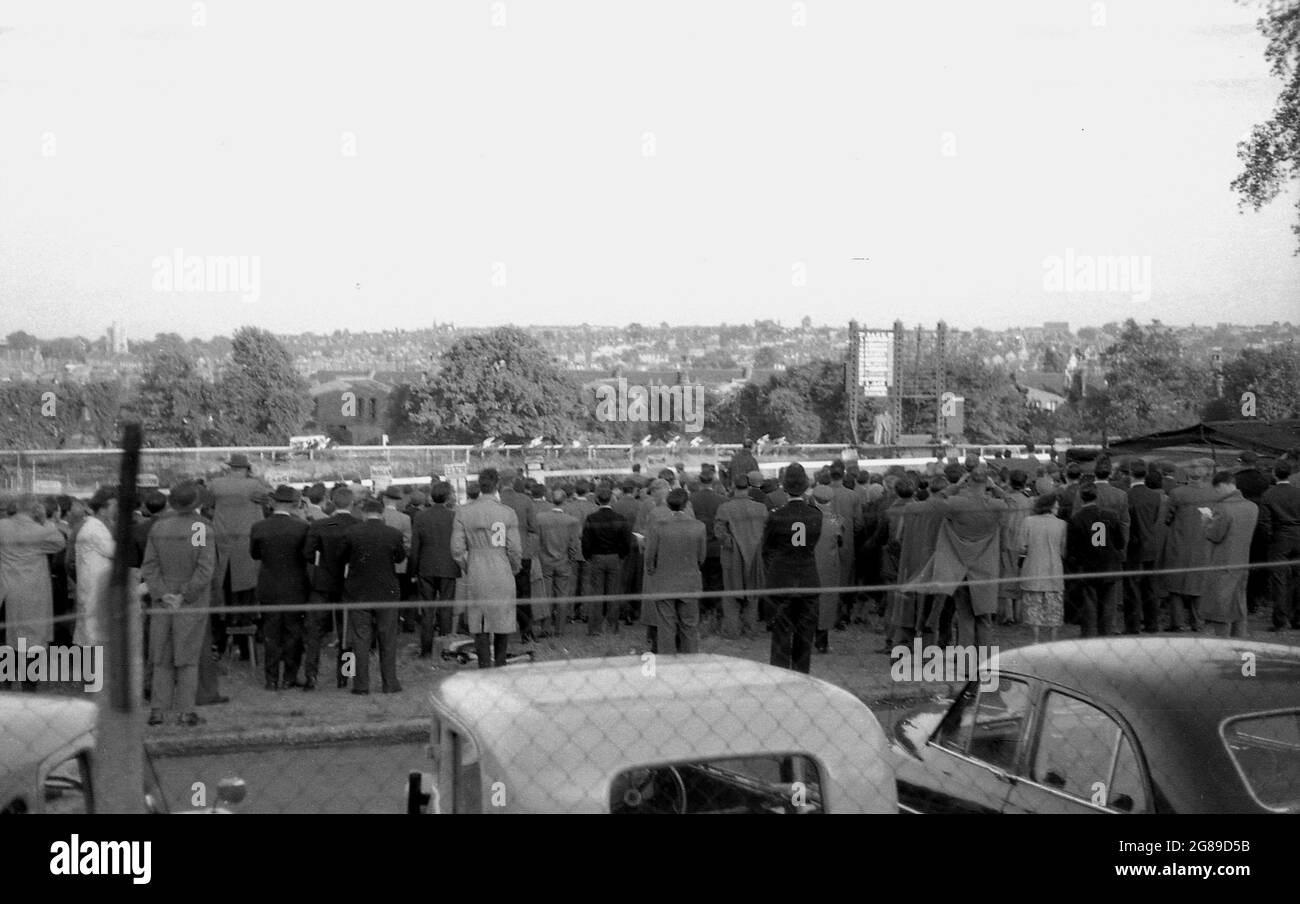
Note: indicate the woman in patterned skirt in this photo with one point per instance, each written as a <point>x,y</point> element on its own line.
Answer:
<point>1042,582</point>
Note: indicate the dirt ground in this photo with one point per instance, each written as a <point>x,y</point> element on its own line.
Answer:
<point>852,663</point>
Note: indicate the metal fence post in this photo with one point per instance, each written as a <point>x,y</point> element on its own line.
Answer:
<point>118,776</point>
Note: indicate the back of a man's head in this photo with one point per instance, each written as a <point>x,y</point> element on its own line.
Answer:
<point>440,493</point>
<point>1137,469</point>
<point>316,493</point>
<point>604,494</point>
<point>558,496</point>
<point>677,499</point>
<point>1101,468</point>
<point>1282,471</point>
<point>1088,493</point>
<point>953,472</point>
<point>154,502</point>
<point>342,497</point>
<point>1073,471</point>
<point>488,479</point>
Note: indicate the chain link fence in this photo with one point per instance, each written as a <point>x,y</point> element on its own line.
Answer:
<point>576,722</point>
<point>910,695</point>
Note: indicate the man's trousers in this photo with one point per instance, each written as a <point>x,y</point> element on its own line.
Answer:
<point>604,577</point>
<point>362,624</point>
<point>435,589</point>
<point>1098,616</point>
<point>1284,580</point>
<point>678,625</point>
<point>794,629</point>
<point>1141,608</point>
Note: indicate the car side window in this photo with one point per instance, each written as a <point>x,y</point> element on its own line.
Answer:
<point>1084,753</point>
<point>988,724</point>
<point>954,733</point>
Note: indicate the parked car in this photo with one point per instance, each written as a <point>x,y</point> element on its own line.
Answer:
<point>47,758</point>
<point>1113,725</point>
<point>668,734</point>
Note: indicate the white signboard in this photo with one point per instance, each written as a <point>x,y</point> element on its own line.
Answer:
<point>875,364</point>
<point>457,474</point>
<point>382,475</point>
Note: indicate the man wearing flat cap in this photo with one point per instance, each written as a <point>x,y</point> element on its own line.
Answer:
<point>789,556</point>
<point>279,543</point>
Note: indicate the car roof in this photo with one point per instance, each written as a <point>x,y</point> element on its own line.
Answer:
<point>32,727</point>
<point>559,732</point>
<point>1162,674</point>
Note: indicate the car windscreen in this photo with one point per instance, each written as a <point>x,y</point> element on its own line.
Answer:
<point>1266,750</point>
<point>777,783</point>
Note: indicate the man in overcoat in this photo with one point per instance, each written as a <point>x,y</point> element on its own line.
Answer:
<point>179,559</point>
<point>485,543</point>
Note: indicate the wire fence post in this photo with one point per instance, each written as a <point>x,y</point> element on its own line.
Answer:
<point>118,778</point>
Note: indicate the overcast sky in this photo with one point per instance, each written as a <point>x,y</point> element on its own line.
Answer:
<point>387,165</point>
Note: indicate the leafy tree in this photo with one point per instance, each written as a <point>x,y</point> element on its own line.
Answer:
<point>1273,376</point>
<point>765,357</point>
<point>1150,386</point>
<point>1271,155</point>
<point>63,350</point>
<point>1052,360</point>
<point>501,382</point>
<point>22,341</point>
<point>261,398</point>
<point>789,415</point>
<point>994,407</point>
<point>174,404</point>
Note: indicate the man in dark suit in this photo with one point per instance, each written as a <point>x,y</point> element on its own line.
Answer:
<point>372,550</point>
<point>675,550</point>
<point>280,543</point>
<point>606,544</point>
<point>434,569</point>
<point>705,502</point>
<point>179,560</point>
<point>323,553</point>
<point>1252,482</point>
<point>1147,508</point>
<point>789,556</point>
<point>559,547</point>
<point>1093,545</point>
<point>513,496</point>
<point>1280,511</point>
<point>743,461</point>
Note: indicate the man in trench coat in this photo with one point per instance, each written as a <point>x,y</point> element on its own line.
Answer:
<point>738,525</point>
<point>486,545</point>
<point>25,588</point>
<point>1230,531</point>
